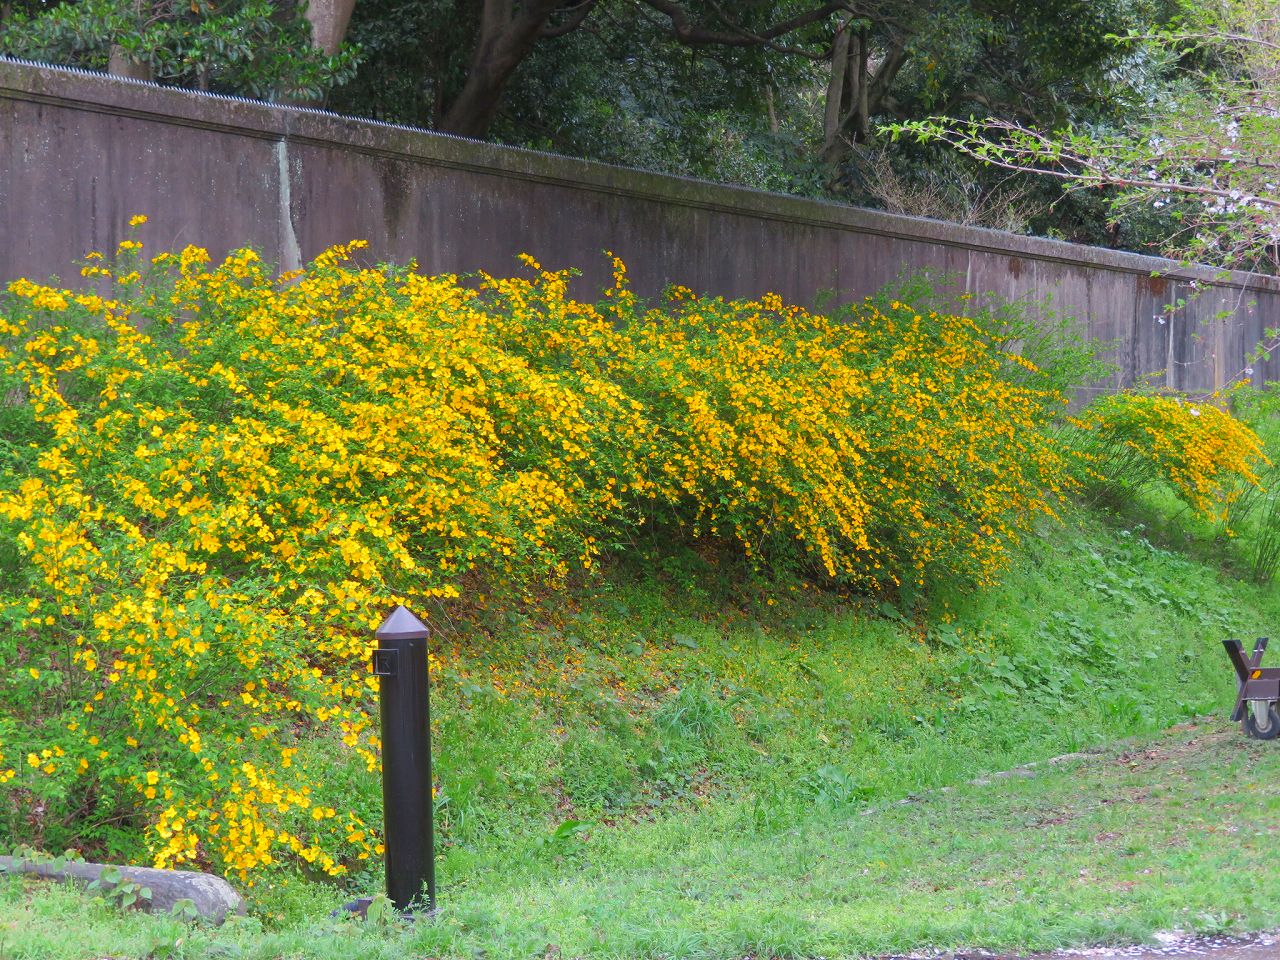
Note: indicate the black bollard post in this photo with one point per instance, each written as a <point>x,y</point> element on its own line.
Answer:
<point>401,662</point>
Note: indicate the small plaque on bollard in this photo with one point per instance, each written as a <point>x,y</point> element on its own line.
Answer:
<point>384,663</point>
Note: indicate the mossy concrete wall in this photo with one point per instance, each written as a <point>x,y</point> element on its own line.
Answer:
<point>81,152</point>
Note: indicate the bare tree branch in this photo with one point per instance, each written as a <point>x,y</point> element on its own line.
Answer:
<point>1010,146</point>
<point>686,31</point>
<point>576,15</point>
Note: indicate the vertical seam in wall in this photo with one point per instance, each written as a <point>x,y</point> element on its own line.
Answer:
<point>1219,351</point>
<point>968,277</point>
<point>290,253</point>
<point>1130,376</point>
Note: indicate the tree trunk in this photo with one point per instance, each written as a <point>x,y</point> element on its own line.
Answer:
<point>120,64</point>
<point>854,93</point>
<point>505,40</point>
<point>863,105</point>
<point>836,84</point>
<point>329,20</point>
<point>886,73</point>
<point>846,110</point>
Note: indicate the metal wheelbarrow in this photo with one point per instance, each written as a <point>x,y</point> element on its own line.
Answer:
<point>1258,693</point>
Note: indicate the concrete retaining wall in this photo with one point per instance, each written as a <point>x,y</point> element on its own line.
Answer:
<point>81,152</point>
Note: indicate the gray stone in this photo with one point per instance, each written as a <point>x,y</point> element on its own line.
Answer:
<point>213,897</point>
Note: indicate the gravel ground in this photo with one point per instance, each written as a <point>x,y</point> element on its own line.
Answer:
<point>1206,948</point>
<point>1265,946</point>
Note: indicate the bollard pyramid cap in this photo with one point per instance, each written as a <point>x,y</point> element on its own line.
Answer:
<point>402,625</point>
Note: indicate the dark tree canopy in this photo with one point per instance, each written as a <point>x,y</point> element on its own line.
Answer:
<point>250,47</point>
<point>453,64</point>
<point>785,95</point>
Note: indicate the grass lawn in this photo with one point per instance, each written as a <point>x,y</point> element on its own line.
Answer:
<point>1172,832</point>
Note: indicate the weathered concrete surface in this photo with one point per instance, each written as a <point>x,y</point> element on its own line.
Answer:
<point>1263,946</point>
<point>1260,946</point>
<point>81,152</point>
<point>213,897</point>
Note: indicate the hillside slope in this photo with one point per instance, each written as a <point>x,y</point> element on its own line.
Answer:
<point>679,767</point>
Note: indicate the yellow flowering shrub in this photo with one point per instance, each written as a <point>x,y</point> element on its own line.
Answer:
<point>215,481</point>
<point>892,446</point>
<point>1202,452</point>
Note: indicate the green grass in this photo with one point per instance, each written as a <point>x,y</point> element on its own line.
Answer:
<point>1172,833</point>
<point>1097,635</point>
<point>722,744</point>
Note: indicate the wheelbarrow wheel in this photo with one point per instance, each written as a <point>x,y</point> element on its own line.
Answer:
<point>1261,721</point>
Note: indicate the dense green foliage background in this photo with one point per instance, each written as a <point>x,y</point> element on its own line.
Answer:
<point>621,84</point>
